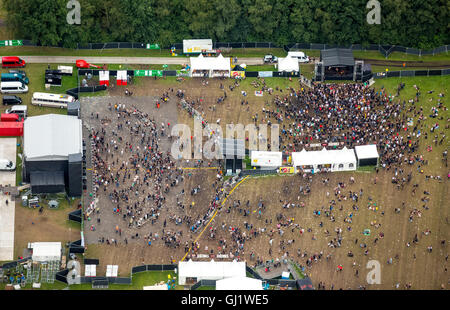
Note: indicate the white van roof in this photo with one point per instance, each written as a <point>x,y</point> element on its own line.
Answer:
<point>19,108</point>
<point>12,84</point>
<point>296,54</point>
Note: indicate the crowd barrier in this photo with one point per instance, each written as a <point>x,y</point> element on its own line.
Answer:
<point>412,73</point>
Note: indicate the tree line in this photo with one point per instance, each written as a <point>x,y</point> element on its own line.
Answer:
<point>411,23</point>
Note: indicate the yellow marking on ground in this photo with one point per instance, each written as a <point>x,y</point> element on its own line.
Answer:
<point>215,213</point>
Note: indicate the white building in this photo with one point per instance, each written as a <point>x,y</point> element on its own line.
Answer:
<point>193,272</point>
<point>324,160</point>
<point>210,66</point>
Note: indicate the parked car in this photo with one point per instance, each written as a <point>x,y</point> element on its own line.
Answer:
<point>11,100</point>
<point>18,71</point>
<point>270,59</point>
<point>12,62</point>
<point>7,165</point>
<point>13,87</point>
<point>14,77</point>
<point>20,110</point>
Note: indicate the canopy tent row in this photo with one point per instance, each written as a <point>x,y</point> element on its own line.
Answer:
<point>324,160</point>
<point>210,66</point>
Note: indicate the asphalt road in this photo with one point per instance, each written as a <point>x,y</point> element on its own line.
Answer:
<point>124,60</point>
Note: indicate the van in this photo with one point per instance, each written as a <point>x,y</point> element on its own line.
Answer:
<point>299,55</point>
<point>20,110</point>
<point>11,100</point>
<point>7,165</point>
<point>13,87</point>
<point>12,62</point>
<point>14,77</point>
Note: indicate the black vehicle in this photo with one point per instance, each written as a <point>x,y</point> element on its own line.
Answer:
<point>11,100</point>
<point>18,71</point>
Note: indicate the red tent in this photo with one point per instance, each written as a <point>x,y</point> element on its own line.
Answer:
<point>82,64</point>
<point>11,129</point>
<point>9,117</point>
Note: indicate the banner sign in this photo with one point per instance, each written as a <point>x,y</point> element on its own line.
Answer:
<point>148,73</point>
<point>265,73</point>
<point>258,93</point>
<point>287,170</point>
<point>238,74</point>
<point>11,43</point>
<point>153,47</point>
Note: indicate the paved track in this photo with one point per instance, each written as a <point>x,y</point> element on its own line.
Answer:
<point>124,60</point>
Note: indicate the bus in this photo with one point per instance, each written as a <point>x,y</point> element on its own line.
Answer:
<point>51,100</point>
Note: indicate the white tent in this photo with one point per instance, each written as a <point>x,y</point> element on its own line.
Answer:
<point>288,64</point>
<point>52,137</point>
<point>46,251</point>
<point>239,284</point>
<point>210,66</point>
<point>325,160</point>
<point>209,270</point>
<point>367,154</point>
<point>196,46</point>
<point>266,159</point>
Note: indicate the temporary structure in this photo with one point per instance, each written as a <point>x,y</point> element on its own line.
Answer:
<point>157,287</point>
<point>239,284</point>
<point>46,251</point>
<point>210,66</point>
<point>122,77</point>
<point>197,46</point>
<point>288,64</point>
<point>324,160</point>
<point>265,159</point>
<point>209,270</point>
<point>104,77</point>
<point>367,155</point>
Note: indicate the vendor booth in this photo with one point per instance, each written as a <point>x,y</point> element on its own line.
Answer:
<point>324,160</point>
<point>210,66</point>
<point>367,155</point>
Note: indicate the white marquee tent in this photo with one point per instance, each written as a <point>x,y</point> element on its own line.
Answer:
<point>46,251</point>
<point>266,159</point>
<point>239,284</point>
<point>52,137</point>
<point>209,270</point>
<point>367,154</point>
<point>197,45</point>
<point>210,66</point>
<point>288,64</point>
<point>157,287</point>
<point>328,160</point>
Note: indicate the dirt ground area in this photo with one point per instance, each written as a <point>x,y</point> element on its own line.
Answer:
<point>424,214</point>
<point>48,226</point>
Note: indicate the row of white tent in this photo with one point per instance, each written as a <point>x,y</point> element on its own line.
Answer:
<point>314,161</point>
<point>221,66</point>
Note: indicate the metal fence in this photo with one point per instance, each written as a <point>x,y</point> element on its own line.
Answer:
<point>258,172</point>
<point>385,50</point>
<point>412,73</point>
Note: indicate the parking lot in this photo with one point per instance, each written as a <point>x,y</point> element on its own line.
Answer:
<point>7,205</point>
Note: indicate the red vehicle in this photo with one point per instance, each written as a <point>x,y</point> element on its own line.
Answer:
<point>12,62</point>
<point>11,129</point>
<point>5,117</point>
<point>82,64</point>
